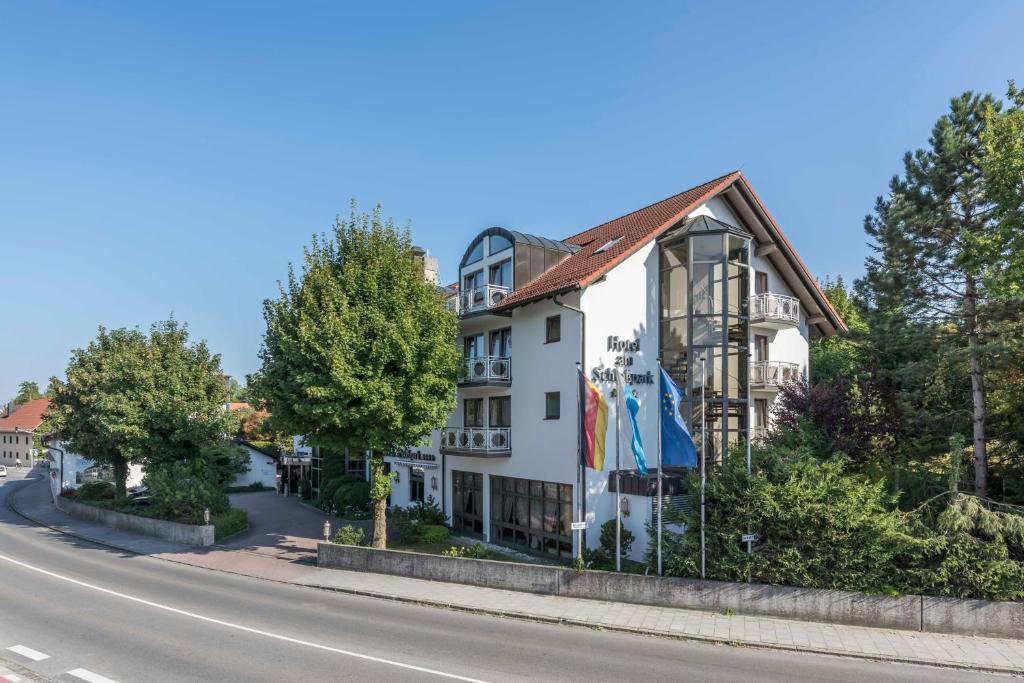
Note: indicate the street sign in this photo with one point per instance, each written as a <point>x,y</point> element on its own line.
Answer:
<point>579,526</point>
<point>750,538</point>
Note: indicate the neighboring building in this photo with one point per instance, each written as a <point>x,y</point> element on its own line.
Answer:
<point>705,274</point>
<point>262,467</point>
<point>78,470</point>
<point>18,426</point>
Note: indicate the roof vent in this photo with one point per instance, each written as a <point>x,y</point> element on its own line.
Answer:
<point>608,245</point>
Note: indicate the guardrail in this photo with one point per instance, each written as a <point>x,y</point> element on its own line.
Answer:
<point>773,374</point>
<point>775,308</point>
<point>481,440</point>
<point>493,369</point>
<point>478,299</point>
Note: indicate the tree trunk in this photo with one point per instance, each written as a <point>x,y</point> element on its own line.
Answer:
<point>977,387</point>
<point>121,477</point>
<point>380,502</point>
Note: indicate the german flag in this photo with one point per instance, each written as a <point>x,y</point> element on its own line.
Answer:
<point>593,423</point>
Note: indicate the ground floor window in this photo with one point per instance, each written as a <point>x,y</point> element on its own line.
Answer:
<point>533,515</point>
<point>316,462</point>
<point>416,485</point>
<point>468,503</point>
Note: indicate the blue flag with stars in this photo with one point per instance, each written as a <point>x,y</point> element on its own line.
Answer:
<point>676,443</point>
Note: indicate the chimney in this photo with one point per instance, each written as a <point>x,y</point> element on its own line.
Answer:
<point>430,269</point>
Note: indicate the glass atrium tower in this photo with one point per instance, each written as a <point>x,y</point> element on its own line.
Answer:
<point>705,292</point>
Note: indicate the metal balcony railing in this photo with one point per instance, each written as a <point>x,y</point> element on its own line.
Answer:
<point>772,374</point>
<point>777,308</point>
<point>478,299</point>
<point>477,439</point>
<point>485,369</point>
<point>758,434</point>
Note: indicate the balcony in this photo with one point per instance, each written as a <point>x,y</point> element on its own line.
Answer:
<point>485,370</point>
<point>774,311</point>
<point>478,299</point>
<point>770,375</point>
<point>758,435</point>
<point>482,442</point>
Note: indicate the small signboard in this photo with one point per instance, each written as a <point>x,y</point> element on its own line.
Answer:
<point>750,538</point>
<point>579,526</point>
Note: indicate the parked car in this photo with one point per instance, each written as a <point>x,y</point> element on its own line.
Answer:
<point>3,471</point>
<point>136,492</point>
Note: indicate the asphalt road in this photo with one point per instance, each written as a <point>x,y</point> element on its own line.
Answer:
<point>107,615</point>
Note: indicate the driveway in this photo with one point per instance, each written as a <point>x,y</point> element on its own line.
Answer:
<point>281,527</point>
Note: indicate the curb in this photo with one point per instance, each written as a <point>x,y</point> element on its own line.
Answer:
<point>525,616</point>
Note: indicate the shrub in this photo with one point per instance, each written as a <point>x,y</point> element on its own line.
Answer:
<point>306,488</point>
<point>96,490</point>
<point>477,551</point>
<point>350,535</point>
<point>352,495</point>
<point>431,533</point>
<point>181,495</point>
<point>229,522</point>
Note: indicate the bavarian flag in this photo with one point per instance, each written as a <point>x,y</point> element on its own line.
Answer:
<point>593,423</point>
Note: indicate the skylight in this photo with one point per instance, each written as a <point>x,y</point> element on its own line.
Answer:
<point>607,245</point>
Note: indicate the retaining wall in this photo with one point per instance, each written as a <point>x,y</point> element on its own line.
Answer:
<point>188,534</point>
<point>910,612</point>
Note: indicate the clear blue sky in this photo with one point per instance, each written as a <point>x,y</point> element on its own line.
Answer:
<point>174,157</point>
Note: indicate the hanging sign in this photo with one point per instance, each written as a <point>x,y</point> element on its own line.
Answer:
<point>579,526</point>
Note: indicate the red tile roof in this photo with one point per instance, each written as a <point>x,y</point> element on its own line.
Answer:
<point>26,417</point>
<point>635,229</point>
<point>238,406</point>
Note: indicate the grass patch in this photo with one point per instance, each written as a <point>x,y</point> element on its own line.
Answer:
<point>229,523</point>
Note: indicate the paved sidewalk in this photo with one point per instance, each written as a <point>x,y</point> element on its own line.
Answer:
<point>991,654</point>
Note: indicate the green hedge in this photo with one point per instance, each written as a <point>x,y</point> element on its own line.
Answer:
<point>229,523</point>
<point>95,490</point>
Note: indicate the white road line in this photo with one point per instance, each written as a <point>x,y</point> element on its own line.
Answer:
<point>238,627</point>
<point>34,655</point>
<point>87,675</point>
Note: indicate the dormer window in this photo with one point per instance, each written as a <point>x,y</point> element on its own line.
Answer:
<point>476,254</point>
<point>499,243</point>
<point>607,245</point>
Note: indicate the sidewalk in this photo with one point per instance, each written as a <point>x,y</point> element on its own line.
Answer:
<point>990,654</point>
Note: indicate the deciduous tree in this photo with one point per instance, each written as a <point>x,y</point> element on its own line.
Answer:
<point>359,350</point>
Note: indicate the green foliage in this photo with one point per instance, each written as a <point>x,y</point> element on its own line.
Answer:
<point>603,557</point>
<point>352,496</point>
<point>131,397</point>
<point>95,490</point>
<point>182,491</point>
<point>430,533</point>
<point>248,488</point>
<point>229,523</point>
<point>477,551</point>
<point>224,462</point>
<point>27,391</point>
<point>350,535</point>
<point>306,488</point>
<point>419,523</point>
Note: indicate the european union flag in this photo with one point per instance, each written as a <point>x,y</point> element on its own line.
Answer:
<point>676,443</point>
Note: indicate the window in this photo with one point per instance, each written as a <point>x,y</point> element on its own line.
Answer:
<point>473,412</point>
<point>501,273</point>
<point>552,405</point>
<point>760,412</point>
<point>760,282</point>
<point>500,411</point>
<point>468,503</point>
<point>476,254</point>
<point>553,329</point>
<point>473,280</point>
<point>473,346</point>
<point>499,243</point>
<point>760,347</point>
<point>501,343</point>
<point>533,515</point>
<point>607,245</point>
<point>416,485</point>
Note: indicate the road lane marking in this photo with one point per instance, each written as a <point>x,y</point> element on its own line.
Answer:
<point>237,627</point>
<point>87,675</point>
<point>34,655</point>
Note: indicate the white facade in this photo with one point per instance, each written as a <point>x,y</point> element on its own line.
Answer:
<point>622,312</point>
<point>262,469</point>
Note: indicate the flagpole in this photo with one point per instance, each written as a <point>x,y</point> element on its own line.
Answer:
<point>620,401</point>
<point>660,398</point>
<point>703,466</point>
<point>579,461</point>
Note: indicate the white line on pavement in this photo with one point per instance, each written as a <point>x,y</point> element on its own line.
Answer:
<point>34,655</point>
<point>238,627</point>
<point>87,675</point>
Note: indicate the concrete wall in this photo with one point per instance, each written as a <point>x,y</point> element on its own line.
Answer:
<point>170,531</point>
<point>911,612</point>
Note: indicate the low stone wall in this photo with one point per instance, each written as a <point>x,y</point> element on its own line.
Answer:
<point>188,534</point>
<point>910,612</point>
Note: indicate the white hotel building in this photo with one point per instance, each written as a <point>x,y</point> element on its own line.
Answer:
<point>703,274</point>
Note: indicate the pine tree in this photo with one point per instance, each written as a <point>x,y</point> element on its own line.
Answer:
<point>929,282</point>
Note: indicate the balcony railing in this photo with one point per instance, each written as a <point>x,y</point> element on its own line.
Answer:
<point>485,370</point>
<point>478,299</point>
<point>772,374</point>
<point>477,440</point>
<point>775,308</point>
<point>758,435</point>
